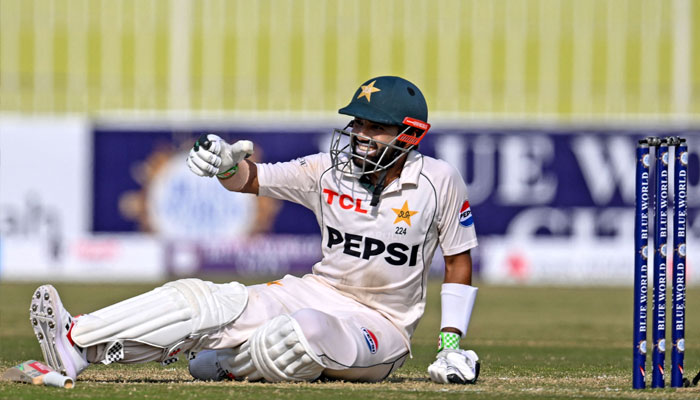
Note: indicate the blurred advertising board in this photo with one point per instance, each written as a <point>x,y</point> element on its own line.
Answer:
<point>46,170</point>
<point>256,255</point>
<point>116,201</point>
<point>113,257</point>
<point>45,173</point>
<point>551,206</point>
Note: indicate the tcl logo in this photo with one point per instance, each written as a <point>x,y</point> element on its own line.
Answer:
<point>346,202</point>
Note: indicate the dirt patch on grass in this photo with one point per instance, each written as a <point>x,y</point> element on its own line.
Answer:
<point>505,386</point>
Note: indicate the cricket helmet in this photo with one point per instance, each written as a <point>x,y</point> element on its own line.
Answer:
<point>387,100</point>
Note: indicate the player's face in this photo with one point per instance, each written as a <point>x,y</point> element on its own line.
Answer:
<point>371,138</point>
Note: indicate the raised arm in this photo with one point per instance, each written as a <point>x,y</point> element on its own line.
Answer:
<point>213,156</point>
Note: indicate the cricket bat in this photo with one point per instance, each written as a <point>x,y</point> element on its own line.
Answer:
<point>37,373</point>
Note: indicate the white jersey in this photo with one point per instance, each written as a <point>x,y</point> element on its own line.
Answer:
<point>379,256</point>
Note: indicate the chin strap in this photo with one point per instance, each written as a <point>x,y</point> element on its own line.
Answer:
<point>377,189</point>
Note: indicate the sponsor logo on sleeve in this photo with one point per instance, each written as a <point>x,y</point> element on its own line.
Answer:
<point>371,340</point>
<point>465,214</point>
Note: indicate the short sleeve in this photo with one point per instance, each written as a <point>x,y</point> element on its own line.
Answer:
<point>295,181</point>
<point>456,230</point>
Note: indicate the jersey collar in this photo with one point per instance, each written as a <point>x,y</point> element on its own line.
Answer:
<point>409,174</point>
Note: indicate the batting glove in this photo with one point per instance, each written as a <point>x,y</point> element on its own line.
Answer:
<point>453,365</point>
<point>211,155</point>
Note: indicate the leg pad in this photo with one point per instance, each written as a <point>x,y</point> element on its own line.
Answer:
<point>280,352</point>
<point>186,309</point>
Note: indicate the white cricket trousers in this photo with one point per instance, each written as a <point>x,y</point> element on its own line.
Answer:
<point>355,342</point>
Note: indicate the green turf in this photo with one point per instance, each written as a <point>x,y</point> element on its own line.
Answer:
<point>535,343</point>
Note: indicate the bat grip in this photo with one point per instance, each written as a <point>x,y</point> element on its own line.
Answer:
<point>202,141</point>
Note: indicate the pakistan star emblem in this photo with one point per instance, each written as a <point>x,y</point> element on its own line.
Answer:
<point>404,214</point>
<point>367,91</point>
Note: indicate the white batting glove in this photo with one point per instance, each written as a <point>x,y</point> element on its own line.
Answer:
<point>455,366</point>
<point>211,155</point>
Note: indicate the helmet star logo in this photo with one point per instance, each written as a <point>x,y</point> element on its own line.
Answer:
<point>367,91</point>
<point>404,214</point>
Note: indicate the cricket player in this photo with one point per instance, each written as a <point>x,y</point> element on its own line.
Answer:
<point>382,207</point>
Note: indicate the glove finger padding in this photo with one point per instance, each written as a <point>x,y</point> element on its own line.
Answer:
<point>200,166</point>
<point>195,169</point>
<point>218,156</point>
<point>435,368</point>
<point>208,157</point>
<point>455,366</point>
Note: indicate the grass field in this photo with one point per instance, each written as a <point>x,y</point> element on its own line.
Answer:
<point>534,342</point>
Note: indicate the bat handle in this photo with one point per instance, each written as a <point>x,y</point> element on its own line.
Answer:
<point>53,378</point>
<point>202,141</point>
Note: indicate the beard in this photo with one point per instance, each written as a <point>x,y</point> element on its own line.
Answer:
<point>367,155</point>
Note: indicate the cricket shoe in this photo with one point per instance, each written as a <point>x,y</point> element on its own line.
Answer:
<point>52,324</point>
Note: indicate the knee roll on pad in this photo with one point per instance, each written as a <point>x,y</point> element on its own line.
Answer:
<point>165,316</point>
<point>280,352</point>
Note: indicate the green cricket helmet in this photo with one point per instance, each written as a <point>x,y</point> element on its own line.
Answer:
<point>387,100</point>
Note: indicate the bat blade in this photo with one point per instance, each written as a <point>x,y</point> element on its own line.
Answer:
<point>37,373</point>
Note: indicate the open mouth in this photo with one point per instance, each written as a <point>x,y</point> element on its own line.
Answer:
<point>365,147</point>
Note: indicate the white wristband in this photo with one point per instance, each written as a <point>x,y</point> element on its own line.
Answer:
<point>457,305</point>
